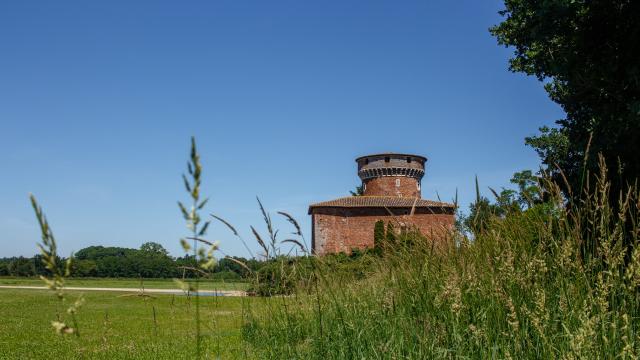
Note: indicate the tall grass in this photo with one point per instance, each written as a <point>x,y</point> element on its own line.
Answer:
<point>549,282</point>
<point>58,272</point>
<point>554,281</point>
<point>203,260</point>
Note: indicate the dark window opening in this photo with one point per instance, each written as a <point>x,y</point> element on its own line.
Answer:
<point>387,159</point>
<point>409,159</point>
<point>366,161</point>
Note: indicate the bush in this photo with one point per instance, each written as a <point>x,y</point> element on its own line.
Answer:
<point>281,276</point>
<point>287,275</point>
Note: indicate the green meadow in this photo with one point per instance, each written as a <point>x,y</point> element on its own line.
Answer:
<point>113,326</point>
<point>134,284</point>
<point>537,281</point>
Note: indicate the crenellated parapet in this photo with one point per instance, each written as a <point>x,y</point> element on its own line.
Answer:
<point>366,174</point>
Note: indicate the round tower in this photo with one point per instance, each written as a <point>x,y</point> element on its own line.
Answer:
<point>391,174</point>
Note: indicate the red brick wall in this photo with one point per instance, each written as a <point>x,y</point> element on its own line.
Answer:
<point>401,186</point>
<point>343,229</point>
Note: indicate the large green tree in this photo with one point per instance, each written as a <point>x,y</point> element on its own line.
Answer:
<point>154,249</point>
<point>587,54</point>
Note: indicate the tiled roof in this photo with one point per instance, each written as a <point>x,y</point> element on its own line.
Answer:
<point>380,201</point>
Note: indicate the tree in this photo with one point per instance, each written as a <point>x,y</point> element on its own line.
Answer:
<point>359,191</point>
<point>507,201</point>
<point>99,252</point>
<point>391,234</point>
<point>586,53</point>
<point>529,189</point>
<point>480,213</point>
<point>22,266</point>
<point>154,249</point>
<point>378,235</point>
<point>226,265</point>
<point>83,268</point>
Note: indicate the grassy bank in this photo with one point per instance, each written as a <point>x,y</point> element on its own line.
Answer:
<point>117,327</point>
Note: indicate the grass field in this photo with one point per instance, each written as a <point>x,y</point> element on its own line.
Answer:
<point>119,327</point>
<point>126,283</point>
<point>546,282</point>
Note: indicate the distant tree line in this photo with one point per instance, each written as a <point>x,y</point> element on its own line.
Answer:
<point>150,261</point>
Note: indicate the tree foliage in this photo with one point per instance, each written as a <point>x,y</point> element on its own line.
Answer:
<point>152,260</point>
<point>359,191</point>
<point>391,234</point>
<point>586,53</point>
<point>378,235</point>
<point>507,201</point>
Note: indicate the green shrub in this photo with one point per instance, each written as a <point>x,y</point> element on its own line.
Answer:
<point>287,275</point>
<point>283,275</point>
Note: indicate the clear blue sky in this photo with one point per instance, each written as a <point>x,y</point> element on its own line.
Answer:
<point>98,101</point>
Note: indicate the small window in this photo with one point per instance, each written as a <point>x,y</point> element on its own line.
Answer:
<point>418,185</point>
<point>409,159</point>
<point>387,159</point>
<point>366,161</point>
<point>397,182</point>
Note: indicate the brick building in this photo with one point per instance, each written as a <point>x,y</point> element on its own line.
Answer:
<point>391,184</point>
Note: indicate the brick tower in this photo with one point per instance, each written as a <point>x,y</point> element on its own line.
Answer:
<point>392,193</point>
<point>391,174</point>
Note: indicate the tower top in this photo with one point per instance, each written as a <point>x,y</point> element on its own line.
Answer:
<point>391,174</point>
<point>391,164</point>
<point>393,155</point>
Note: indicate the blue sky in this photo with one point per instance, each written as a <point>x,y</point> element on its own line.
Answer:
<point>98,101</point>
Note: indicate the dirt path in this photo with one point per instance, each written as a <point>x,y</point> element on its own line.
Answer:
<point>134,290</point>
